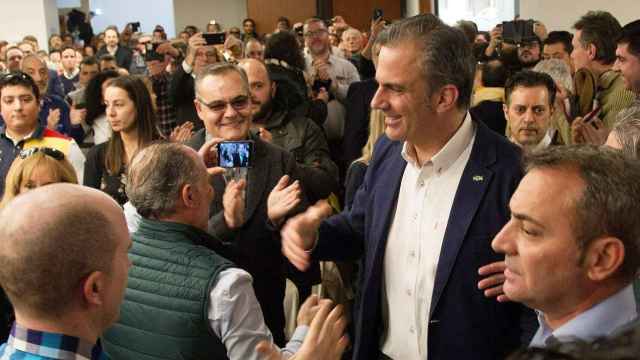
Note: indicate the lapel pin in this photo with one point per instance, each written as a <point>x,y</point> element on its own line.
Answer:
<point>478,178</point>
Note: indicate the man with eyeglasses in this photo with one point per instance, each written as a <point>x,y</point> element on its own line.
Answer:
<point>181,91</point>
<point>19,106</point>
<point>248,216</point>
<point>329,72</point>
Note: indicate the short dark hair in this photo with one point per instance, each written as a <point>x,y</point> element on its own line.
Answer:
<point>284,46</point>
<point>631,35</point>
<point>89,60</point>
<point>445,56</point>
<point>67,47</point>
<point>19,78</point>
<point>563,37</point>
<point>494,74</point>
<point>285,20</point>
<point>528,79</point>
<point>107,57</point>
<point>601,29</point>
<point>608,202</point>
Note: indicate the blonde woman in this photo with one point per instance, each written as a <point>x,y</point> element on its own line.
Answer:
<point>357,169</point>
<point>37,167</point>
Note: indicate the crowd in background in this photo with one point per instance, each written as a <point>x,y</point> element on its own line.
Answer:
<point>461,194</point>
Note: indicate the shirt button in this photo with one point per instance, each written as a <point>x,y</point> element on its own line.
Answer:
<point>412,253</point>
<point>421,183</point>
<point>415,217</point>
<point>412,329</point>
<point>409,292</point>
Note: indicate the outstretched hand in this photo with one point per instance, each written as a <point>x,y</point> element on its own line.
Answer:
<point>299,234</point>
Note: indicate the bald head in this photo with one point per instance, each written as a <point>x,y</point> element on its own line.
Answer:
<point>37,69</point>
<point>50,239</point>
<point>262,88</point>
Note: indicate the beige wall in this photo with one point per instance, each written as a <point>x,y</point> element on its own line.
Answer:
<point>200,12</point>
<point>561,14</point>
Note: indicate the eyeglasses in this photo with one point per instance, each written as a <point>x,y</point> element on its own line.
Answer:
<point>238,103</point>
<point>54,153</point>
<point>315,33</point>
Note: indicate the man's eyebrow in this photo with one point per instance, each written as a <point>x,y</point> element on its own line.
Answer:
<point>524,217</point>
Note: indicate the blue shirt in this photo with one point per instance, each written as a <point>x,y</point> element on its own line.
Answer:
<point>30,344</point>
<point>600,320</point>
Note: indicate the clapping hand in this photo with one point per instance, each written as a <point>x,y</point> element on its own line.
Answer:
<point>282,199</point>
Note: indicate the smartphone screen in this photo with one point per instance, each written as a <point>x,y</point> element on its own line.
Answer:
<point>235,154</point>
<point>377,14</point>
<point>214,38</point>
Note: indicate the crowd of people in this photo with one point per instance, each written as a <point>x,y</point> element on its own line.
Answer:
<point>418,190</point>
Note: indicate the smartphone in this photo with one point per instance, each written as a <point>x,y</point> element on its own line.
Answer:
<point>214,38</point>
<point>377,14</point>
<point>235,154</point>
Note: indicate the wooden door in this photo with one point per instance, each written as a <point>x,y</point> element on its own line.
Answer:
<point>358,13</point>
<point>267,12</point>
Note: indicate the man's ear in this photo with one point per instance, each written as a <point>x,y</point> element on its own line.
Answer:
<point>592,51</point>
<point>604,258</point>
<point>189,196</point>
<point>198,106</point>
<point>447,98</point>
<point>274,88</point>
<point>94,288</point>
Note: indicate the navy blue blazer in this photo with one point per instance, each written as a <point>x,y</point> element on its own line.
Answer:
<point>463,323</point>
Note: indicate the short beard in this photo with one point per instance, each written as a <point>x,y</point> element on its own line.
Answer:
<point>263,112</point>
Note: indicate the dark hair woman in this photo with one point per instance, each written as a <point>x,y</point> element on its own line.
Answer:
<point>130,114</point>
<point>97,128</point>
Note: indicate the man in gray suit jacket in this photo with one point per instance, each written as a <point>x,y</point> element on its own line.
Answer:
<point>247,217</point>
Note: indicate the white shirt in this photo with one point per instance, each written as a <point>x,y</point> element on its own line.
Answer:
<point>415,241</point>
<point>341,71</point>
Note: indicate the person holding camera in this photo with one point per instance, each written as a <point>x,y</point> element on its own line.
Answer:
<point>181,90</point>
<point>248,216</point>
<point>330,73</point>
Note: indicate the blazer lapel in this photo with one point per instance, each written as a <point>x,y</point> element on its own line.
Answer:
<point>475,180</point>
<point>257,178</point>
<point>385,204</point>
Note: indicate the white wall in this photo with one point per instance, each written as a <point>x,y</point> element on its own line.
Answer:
<point>562,14</point>
<point>199,12</point>
<point>30,21</point>
<point>121,12</point>
<point>412,7</point>
<point>51,21</point>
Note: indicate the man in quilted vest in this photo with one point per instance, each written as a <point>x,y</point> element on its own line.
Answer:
<point>184,300</point>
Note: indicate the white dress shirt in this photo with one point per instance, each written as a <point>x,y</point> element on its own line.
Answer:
<point>415,240</point>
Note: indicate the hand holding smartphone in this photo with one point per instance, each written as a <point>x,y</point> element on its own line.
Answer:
<point>235,154</point>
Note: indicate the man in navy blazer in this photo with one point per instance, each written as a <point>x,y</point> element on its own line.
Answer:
<point>435,194</point>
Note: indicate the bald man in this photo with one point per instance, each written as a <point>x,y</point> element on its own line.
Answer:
<point>299,135</point>
<point>64,271</point>
<point>55,113</point>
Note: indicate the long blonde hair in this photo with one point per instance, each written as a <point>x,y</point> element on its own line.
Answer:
<point>376,129</point>
<point>22,169</point>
